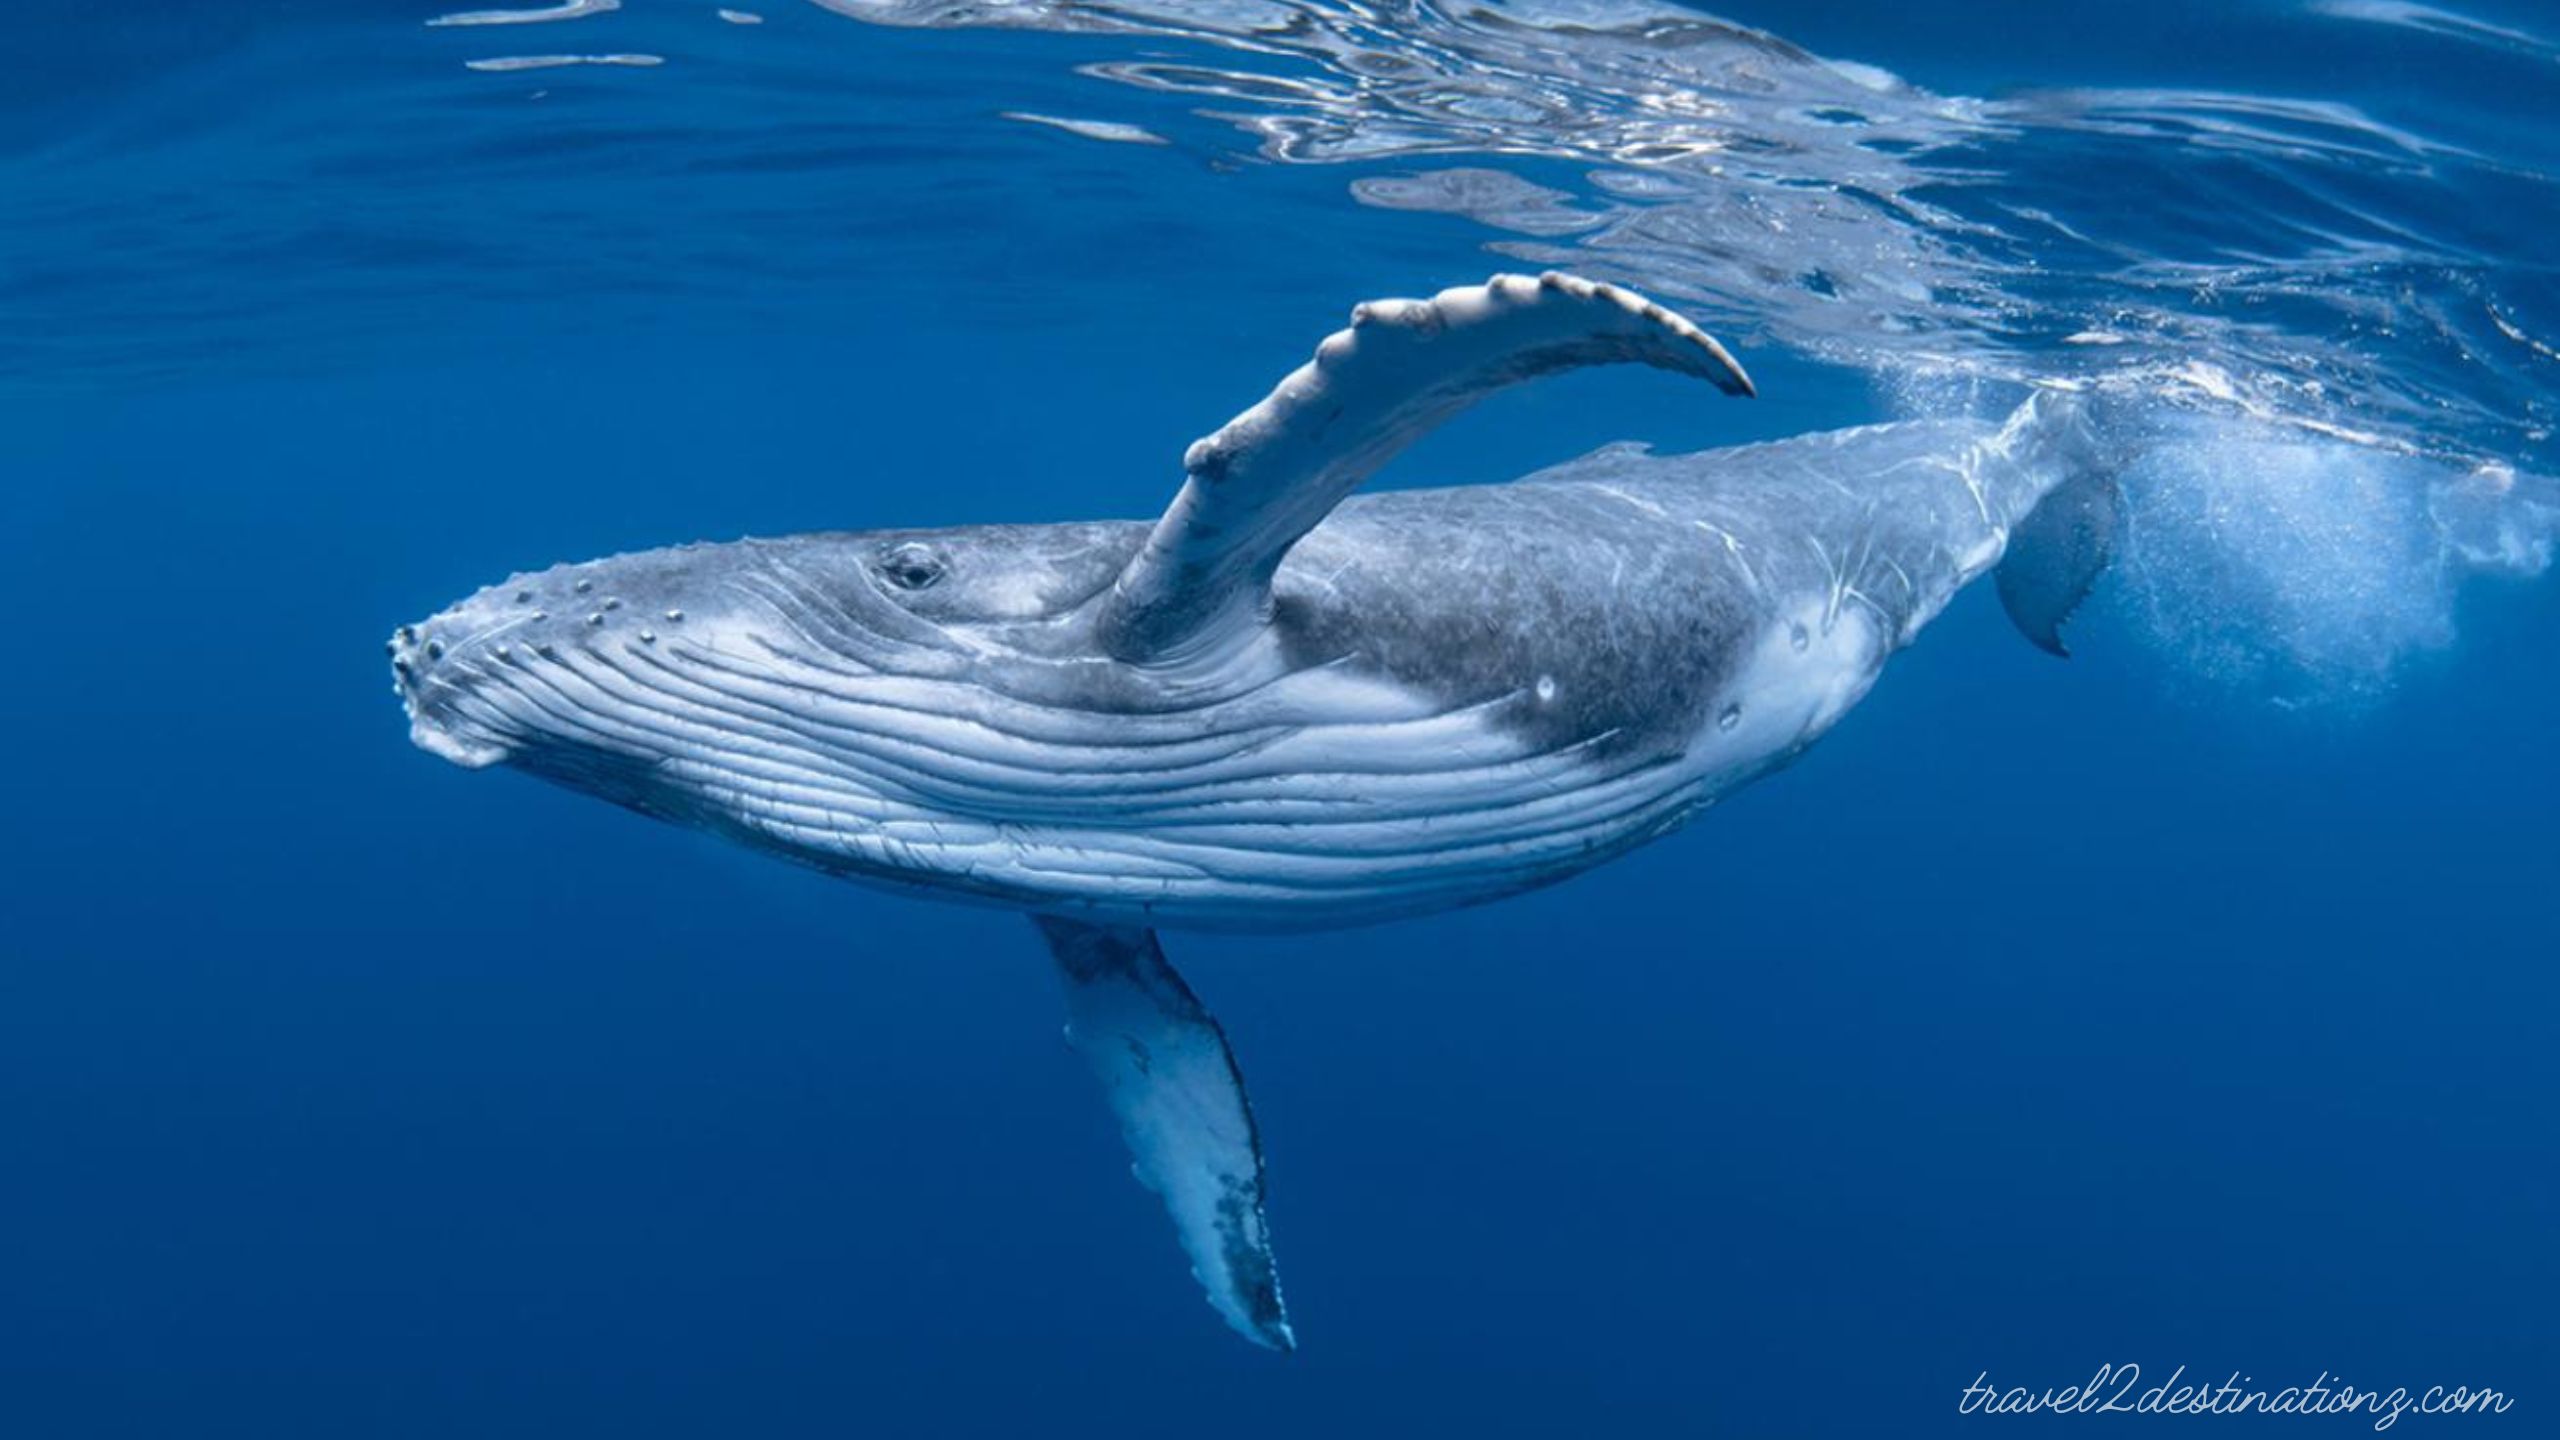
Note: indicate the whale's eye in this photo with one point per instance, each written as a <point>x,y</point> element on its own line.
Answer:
<point>912,566</point>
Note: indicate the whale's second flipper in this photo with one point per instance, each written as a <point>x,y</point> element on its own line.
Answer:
<point>1165,1066</point>
<point>2057,554</point>
<point>2059,548</point>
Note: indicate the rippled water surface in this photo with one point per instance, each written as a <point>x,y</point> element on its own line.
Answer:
<point>2366,272</point>
<point>2187,1004</point>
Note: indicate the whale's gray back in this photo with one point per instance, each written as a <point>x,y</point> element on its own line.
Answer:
<point>1637,583</point>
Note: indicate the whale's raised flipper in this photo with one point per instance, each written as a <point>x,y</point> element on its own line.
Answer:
<point>1269,475</point>
<point>1165,1066</point>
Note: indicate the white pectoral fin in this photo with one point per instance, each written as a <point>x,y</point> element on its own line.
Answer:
<point>1269,475</point>
<point>1165,1067</point>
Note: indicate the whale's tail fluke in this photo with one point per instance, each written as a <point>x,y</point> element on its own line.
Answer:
<point>2060,548</point>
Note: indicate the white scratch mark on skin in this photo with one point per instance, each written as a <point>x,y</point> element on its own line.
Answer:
<point>491,631</point>
<point>1733,548</point>
<point>1838,582</point>
<point>1971,475</point>
<point>1642,505</point>
<point>1330,576</point>
<point>1895,567</point>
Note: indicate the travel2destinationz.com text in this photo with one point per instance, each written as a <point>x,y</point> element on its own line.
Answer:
<point>2118,1390</point>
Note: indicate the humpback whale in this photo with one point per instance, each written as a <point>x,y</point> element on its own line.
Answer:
<point>1279,706</point>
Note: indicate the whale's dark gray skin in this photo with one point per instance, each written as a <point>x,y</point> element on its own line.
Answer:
<point>1274,708</point>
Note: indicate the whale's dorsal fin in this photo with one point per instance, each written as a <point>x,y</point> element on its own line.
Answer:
<point>1173,1084</point>
<point>1272,473</point>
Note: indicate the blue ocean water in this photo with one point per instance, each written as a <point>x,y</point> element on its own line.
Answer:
<point>2189,1004</point>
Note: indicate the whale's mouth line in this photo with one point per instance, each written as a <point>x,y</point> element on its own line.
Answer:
<point>437,732</point>
<point>434,728</point>
<point>445,745</point>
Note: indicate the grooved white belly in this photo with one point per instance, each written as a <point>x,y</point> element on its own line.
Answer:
<point>1314,799</point>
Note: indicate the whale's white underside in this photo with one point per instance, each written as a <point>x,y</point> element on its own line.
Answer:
<point>1344,799</point>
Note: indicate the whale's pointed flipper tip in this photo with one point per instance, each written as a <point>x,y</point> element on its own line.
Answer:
<point>1174,1086</point>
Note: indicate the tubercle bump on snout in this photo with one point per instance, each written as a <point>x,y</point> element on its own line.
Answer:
<point>528,617</point>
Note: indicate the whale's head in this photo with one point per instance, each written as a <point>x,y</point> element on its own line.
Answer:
<point>928,709</point>
<point>866,692</point>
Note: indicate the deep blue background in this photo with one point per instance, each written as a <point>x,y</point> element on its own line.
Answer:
<point>2047,1016</point>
